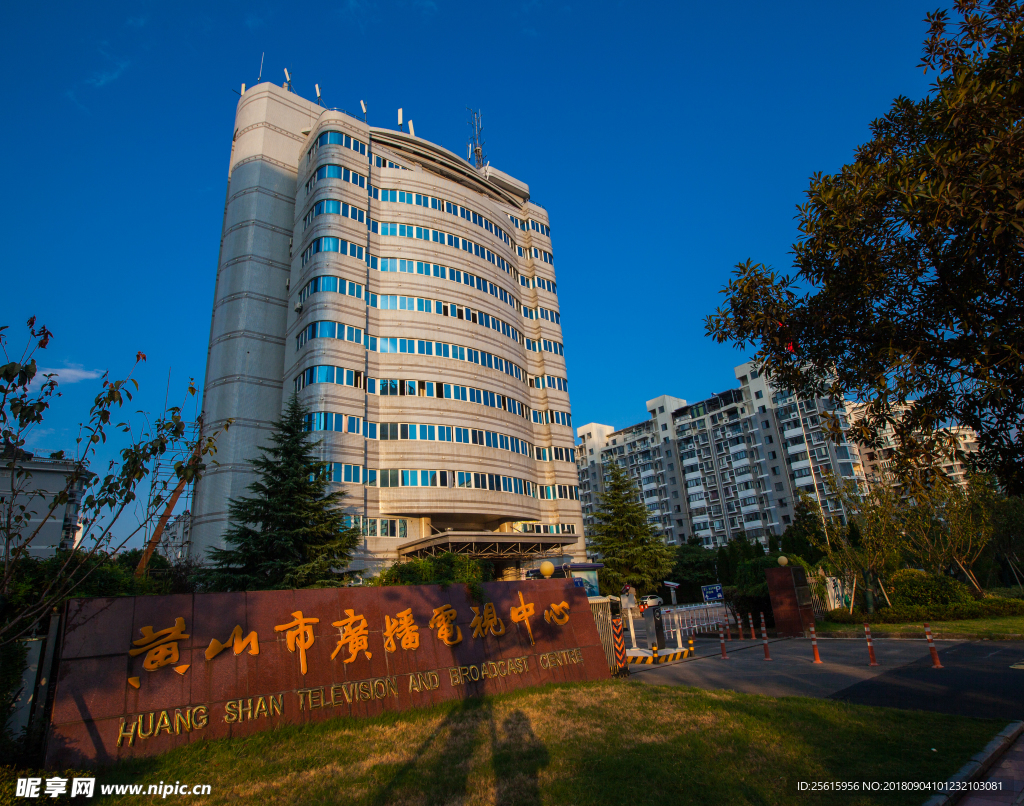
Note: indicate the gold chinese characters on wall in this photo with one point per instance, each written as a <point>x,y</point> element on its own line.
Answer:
<point>399,631</point>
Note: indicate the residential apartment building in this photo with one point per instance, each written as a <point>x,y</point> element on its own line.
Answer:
<point>37,481</point>
<point>729,465</point>
<point>409,299</point>
<point>643,451</point>
<point>877,459</point>
<point>175,539</point>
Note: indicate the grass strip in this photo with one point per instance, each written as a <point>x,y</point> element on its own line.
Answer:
<point>997,627</point>
<point>614,742</point>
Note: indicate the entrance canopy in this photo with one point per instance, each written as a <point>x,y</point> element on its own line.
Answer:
<point>487,545</point>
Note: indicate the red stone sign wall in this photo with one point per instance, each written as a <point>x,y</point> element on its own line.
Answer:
<point>139,676</point>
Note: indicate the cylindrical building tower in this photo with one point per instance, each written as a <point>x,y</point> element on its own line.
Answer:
<point>423,332</point>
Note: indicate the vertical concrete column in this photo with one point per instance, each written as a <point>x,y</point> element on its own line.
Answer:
<point>247,332</point>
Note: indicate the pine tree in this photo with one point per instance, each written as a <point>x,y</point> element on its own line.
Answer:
<point>291,532</point>
<point>631,554</point>
<point>804,535</point>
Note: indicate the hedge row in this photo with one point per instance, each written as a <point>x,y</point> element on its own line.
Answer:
<point>912,588</point>
<point>897,615</point>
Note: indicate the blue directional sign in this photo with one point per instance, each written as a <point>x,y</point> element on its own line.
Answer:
<point>578,583</point>
<point>712,593</point>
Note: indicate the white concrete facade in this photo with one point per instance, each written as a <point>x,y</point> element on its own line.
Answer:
<point>409,299</point>
<point>36,482</point>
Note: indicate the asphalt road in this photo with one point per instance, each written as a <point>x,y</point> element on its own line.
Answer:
<point>977,678</point>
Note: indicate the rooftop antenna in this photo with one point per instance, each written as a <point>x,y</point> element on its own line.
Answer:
<point>363,105</point>
<point>260,76</point>
<point>476,144</point>
<point>400,119</point>
<point>287,80</point>
<point>412,131</point>
<point>318,95</point>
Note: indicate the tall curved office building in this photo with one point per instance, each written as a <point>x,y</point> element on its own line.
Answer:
<point>409,298</point>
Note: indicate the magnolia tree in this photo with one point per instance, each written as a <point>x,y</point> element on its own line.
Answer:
<point>907,282</point>
<point>868,547</point>
<point>105,492</point>
<point>934,524</point>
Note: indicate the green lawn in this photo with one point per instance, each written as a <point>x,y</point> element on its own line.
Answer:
<point>599,743</point>
<point>998,627</point>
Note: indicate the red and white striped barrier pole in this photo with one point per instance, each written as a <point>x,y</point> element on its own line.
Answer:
<point>764,637</point>
<point>931,648</point>
<point>814,643</point>
<point>871,648</point>
<point>750,619</point>
<point>728,626</point>
<point>739,625</point>
<point>721,640</point>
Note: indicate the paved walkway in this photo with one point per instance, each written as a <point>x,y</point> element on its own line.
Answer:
<point>1008,771</point>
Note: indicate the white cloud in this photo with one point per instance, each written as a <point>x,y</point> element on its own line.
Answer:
<point>73,373</point>
<point>37,435</point>
<point>103,77</point>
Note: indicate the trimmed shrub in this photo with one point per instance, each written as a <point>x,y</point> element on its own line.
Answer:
<point>1007,593</point>
<point>987,608</point>
<point>912,588</point>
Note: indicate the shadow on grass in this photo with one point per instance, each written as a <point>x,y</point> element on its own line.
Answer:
<point>517,758</point>
<point>440,767</point>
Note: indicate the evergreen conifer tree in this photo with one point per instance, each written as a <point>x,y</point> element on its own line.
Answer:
<point>291,532</point>
<point>631,554</point>
<point>805,534</point>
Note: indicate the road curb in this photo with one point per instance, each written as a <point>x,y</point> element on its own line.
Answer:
<point>979,764</point>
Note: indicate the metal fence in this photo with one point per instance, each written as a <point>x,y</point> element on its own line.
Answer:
<point>685,621</point>
<point>682,622</point>
<point>602,610</point>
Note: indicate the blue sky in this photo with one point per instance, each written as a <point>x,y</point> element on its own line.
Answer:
<point>667,141</point>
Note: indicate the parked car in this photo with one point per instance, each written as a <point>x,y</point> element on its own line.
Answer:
<point>651,601</point>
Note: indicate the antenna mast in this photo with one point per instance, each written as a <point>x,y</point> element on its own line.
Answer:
<point>260,76</point>
<point>476,143</point>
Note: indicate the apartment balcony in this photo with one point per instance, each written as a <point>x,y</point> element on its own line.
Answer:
<point>792,432</point>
